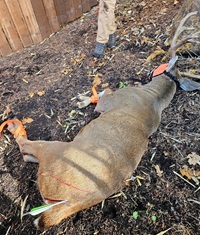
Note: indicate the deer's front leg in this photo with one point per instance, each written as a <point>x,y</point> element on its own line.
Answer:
<point>25,146</point>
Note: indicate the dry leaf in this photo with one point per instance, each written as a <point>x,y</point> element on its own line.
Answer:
<point>185,171</point>
<point>158,171</point>
<point>101,64</point>
<point>73,61</point>
<point>97,79</point>
<point>145,40</point>
<point>41,93</point>
<point>158,51</point>
<point>27,120</point>
<point>79,59</point>
<point>31,94</point>
<point>105,85</point>
<point>193,158</point>
<point>128,183</point>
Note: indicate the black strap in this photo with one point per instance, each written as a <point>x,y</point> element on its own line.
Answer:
<point>169,75</point>
<point>172,77</point>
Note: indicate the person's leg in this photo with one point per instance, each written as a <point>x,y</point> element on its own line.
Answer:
<point>106,26</point>
<point>106,20</point>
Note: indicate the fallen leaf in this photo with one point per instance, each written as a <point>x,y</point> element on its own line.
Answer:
<point>31,94</point>
<point>145,40</point>
<point>158,171</point>
<point>193,158</point>
<point>97,79</point>
<point>41,93</point>
<point>185,171</point>
<point>105,85</point>
<point>79,59</point>
<point>101,64</point>
<point>27,120</point>
<point>158,51</point>
<point>128,183</point>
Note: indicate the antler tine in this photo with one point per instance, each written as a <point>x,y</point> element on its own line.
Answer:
<point>179,30</point>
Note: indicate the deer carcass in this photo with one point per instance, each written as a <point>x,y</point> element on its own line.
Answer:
<point>105,152</point>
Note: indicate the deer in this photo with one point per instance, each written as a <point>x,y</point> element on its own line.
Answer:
<point>106,152</point>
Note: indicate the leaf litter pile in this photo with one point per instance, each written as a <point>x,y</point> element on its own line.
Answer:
<point>39,86</point>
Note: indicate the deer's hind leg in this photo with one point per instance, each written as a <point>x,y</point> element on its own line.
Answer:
<point>52,217</point>
<point>55,215</point>
<point>59,212</point>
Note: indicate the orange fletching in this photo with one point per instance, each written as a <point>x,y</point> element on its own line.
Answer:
<point>19,131</point>
<point>94,98</point>
<point>160,70</point>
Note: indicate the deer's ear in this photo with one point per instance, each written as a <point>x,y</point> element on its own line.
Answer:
<point>171,63</point>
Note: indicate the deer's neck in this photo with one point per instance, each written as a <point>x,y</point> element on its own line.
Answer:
<point>163,89</point>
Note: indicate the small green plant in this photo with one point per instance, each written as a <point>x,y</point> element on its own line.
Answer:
<point>135,214</point>
<point>121,85</point>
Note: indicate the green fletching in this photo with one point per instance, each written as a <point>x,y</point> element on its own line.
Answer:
<point>41,209</point>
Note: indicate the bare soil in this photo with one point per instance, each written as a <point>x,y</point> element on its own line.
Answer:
<point>40,83</point>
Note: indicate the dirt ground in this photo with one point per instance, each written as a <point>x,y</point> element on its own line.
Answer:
<point>38,86</point>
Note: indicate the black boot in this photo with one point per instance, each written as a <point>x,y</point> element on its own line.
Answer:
<point>112,41</point>
<point>99,50</point>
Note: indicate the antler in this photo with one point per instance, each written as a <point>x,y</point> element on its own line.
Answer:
<point>180,29</point>
<point>175,45</point>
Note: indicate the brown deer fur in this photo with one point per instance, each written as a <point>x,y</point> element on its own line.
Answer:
<point>103,155</point>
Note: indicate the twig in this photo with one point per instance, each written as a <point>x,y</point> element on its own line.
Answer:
<point>169,136</point>
<point>22,207</point>
<point>118,46</point>
<point>197,190</point>
<point>152,157</point>
<point>185,74</point>
<point>109,59</point>
<point>195,201</point>
<point>179,152</point>
<point>102,204</point>
<point>184,179</point>
<point>8,231</point>
<point>163,232</point>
